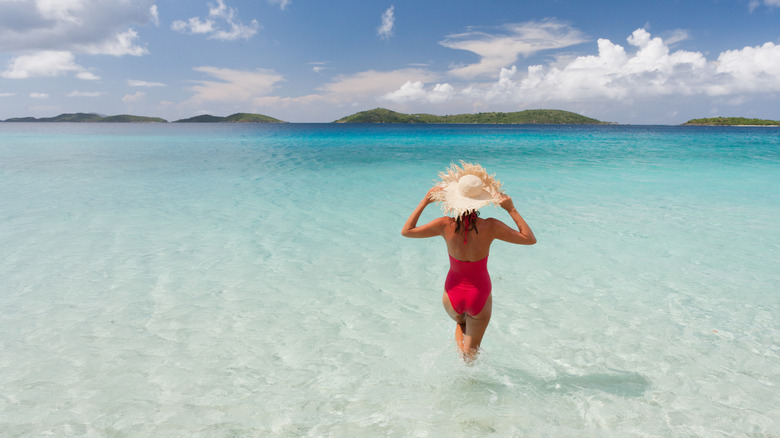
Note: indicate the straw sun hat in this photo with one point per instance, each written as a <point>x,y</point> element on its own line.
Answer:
<point>466,188</point>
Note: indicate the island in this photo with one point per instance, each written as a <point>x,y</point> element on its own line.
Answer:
<point>731,121</point>
<point>233,118</point>
<point>92,118</point>
<point>540,116</point>
<point>126,118</point>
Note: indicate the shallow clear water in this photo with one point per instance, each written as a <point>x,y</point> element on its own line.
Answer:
<point>251,280</point>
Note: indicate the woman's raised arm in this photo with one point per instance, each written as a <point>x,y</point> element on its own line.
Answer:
<point>432,228</point>
<point>523,235</point>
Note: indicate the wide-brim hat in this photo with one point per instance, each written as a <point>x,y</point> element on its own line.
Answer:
<point>465,188</point>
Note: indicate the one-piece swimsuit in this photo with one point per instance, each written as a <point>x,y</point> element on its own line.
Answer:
<point>468,285</point>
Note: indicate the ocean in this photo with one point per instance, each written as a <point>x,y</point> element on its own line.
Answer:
<point>242,280</point>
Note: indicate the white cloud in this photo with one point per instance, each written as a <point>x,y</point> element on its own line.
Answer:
<point>282,3</point>
<point>84,94</point>
<point>385,30</point>
<point>79,26</point>
<point>501,50</point>
<point>751,70</point>
<point>39,96</point>
<point>137,83</point>
<point>221,24</point>
<point>133,98</point>
<point>234,85</point>
<point>768,3</point>
<point>369,84</point>
<point>193,26</point>
<point>415,92</point>
<point>7,94</point>
<point>318,66</point>
<point>647,72</point>
<point>60,10</point>
<point>155,15</point>
<point>676,36</point>
<point>45,64</point>
<point>87,76</point>
<point>117,45</point>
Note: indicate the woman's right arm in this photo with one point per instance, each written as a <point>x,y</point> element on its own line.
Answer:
<point>522,235</point>
<point>431,229</point>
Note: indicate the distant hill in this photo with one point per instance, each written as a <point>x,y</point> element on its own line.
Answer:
<point>234,118</point>
<point>541,116</point>
<point>126,118</point>
<point>89,117</point>
<point>732,121</point>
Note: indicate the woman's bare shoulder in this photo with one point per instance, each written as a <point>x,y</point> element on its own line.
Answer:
<point>492,223</point>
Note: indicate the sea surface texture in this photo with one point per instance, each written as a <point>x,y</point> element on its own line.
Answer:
<point>241,280</point>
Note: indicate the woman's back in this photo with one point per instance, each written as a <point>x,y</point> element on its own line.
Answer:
<point>472,246</point>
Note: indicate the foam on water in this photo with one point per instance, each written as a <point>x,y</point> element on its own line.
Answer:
<point>243,280</point>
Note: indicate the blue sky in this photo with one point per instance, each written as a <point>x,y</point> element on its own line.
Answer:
<point>660,62</point>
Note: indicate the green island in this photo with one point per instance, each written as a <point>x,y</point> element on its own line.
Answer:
<point>731,121</point>
<point>540,116</point>
<point>234,118</point>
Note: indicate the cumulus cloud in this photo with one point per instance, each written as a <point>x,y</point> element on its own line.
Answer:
<point>45,64</point>
<point>7,94</point>
<point>653,70</point>
<point>234,85</point>
<point>221,24</point>
<point>751,70</point>
<point>502,49</point>
<point>649,70</point>
<point>137,83</point>
<point>39,96</point>
<point>415,92</point>
<point>80,26</point>
<point>385,30</point>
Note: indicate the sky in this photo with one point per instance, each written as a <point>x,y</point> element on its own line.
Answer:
<point>630,61</point>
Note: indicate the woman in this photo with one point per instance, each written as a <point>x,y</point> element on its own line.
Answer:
<point>467,298</point>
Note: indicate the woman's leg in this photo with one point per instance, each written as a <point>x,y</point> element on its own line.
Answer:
<point>460,319</point>
<point>470,329</point>
<point>475,330</point>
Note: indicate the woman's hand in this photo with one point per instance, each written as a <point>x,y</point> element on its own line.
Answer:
<point>505,202</point>
<point>523,234</point>
<point>429,195</point>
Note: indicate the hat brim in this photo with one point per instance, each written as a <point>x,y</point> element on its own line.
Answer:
<point>454,202</point>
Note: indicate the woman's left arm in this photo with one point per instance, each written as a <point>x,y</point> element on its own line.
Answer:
<point>432,228</point>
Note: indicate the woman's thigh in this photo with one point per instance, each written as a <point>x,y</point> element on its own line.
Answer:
<point>458,317</point>
<point>477,324</point>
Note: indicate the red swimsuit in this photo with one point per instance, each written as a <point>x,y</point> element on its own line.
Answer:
<point>468,285</point>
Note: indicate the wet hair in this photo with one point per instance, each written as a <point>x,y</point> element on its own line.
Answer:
<point>472,221</point>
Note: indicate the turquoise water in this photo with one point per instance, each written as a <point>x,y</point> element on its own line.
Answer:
<point>251,280</point>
